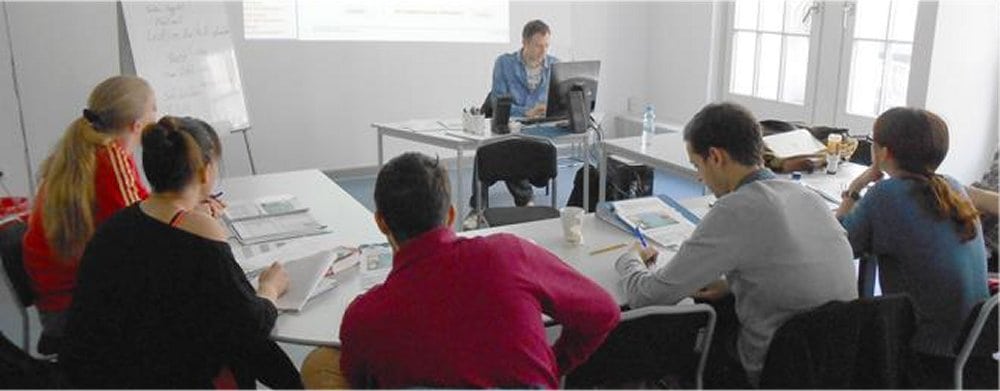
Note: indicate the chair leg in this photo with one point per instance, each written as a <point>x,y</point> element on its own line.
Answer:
<point>25,331</point>
<point>554,197</point>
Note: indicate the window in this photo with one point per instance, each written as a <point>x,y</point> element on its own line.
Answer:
<point>881,50</point>
<point>770,49</point>
<point>832,63</point>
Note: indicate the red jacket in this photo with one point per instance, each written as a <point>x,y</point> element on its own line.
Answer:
<point>467,313</point>
<point>116,185</point>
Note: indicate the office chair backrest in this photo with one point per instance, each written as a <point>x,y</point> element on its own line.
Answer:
<point>862,343</point>
<point>517,158</point>
<point>978,341</point>
<point>649,343</point>
<point>11,253</point>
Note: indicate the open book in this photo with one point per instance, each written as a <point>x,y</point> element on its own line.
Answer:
<point>794,143</point>
<point>667,225</point>
<point>271,218</point>
<point>312,270</point>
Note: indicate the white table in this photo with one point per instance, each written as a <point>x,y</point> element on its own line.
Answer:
<point>447,133</point>
<point>669,153</point>
<point>351,224</point>
<point>597,234</point>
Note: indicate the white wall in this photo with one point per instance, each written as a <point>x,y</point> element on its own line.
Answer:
<point>12,159</point>
<point>61,51</point>
<point>312,103</point>
<point>680,59</point>
<point>963,83</point>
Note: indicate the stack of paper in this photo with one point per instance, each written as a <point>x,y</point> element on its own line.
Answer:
<point>376,263</point>
<point>270,219</point>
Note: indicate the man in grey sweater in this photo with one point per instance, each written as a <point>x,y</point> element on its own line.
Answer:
<point>775,244</point>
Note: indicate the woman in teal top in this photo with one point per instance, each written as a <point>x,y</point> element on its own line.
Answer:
<point>921,228</point>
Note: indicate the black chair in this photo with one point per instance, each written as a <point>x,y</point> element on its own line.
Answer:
<point>863,343</point>
<point>19,370</point>
<point>18,282</point>
<point>514,158</point>
<point>649,344</point>
<point>11,253</point>
<point>978,342</point>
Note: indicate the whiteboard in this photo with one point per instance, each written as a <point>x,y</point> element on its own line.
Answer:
<point>185,50</point>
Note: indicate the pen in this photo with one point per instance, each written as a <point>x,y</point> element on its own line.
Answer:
<point>216,195</point>
<point>609,248</point>
<point>638,233</point>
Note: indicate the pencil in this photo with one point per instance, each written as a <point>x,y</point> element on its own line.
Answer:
<point>609,248</point>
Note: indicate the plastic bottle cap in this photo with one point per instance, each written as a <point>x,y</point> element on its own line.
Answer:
<point>796,175</point>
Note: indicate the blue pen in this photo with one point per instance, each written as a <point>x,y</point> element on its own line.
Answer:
<point>642,238</point>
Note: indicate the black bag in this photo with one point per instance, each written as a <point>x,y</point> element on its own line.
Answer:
<point>800,163</point>
<point>625,181</point>
<point>20,370</point>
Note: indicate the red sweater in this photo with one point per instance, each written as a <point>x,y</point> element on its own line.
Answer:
<point>116,185</point>
<point>467,312</point>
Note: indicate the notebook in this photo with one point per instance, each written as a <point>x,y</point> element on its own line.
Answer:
<point>660,219</point>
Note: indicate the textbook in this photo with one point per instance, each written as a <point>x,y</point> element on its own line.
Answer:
<point>660,219</point>
<point>269,219</point>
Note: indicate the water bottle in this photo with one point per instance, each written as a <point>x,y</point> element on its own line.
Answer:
<point>648,126</point>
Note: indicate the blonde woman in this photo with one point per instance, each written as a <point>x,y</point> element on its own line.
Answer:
<point>89,175</point>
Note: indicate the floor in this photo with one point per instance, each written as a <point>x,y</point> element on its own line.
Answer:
<point>361,188</point>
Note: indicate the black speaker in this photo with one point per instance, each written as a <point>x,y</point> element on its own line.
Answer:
<point>579,115</point>
<point>501,115</point>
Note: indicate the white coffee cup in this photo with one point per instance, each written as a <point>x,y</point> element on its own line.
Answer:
<point>572,223</point>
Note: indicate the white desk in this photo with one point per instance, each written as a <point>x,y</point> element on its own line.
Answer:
<point>448,134</point>
<point>350,223</point>
<point>597,234</point>
<point>669,153</point>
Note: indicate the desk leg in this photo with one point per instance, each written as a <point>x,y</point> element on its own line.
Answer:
<point>381,159</point>
<point>866,276</point>
<point>602,175</point>
<point>461,201</point>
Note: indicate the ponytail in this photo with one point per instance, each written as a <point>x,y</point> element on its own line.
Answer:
<point>918,140</point>
<point>68,175</point>
<point>947,203</point>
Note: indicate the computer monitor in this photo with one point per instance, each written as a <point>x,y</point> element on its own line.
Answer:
<point>566,75</point>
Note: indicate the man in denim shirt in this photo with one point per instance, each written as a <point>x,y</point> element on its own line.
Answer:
<point>524,76</point>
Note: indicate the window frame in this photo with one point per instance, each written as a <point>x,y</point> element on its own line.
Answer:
<point>768,108</point>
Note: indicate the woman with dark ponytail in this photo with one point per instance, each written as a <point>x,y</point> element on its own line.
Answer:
<point>922,229</point>
<point>160,301</point>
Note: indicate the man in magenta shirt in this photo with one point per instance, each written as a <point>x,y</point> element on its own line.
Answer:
<point>463,312</point>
